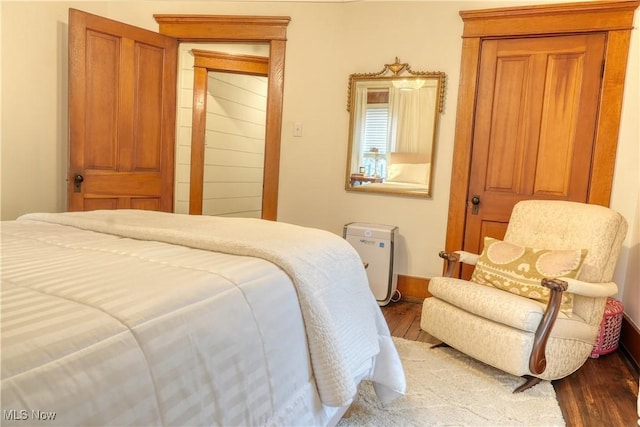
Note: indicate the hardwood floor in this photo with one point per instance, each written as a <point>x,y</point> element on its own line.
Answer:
<point>601,393</point>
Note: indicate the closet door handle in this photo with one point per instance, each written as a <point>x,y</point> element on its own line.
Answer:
<point>77,182</point>
<point>475,201</point>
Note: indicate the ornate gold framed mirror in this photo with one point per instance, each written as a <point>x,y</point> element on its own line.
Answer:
<point>393,126</point>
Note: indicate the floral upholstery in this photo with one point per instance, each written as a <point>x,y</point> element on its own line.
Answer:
<point>498,327</point>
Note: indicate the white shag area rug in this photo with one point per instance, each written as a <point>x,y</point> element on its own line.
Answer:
<point>448,388</point>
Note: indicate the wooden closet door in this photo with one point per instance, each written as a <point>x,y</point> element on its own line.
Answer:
<point>122,85</point>
<point>535,126</point>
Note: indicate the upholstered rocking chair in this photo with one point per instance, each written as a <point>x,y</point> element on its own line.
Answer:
<point>535,301</point>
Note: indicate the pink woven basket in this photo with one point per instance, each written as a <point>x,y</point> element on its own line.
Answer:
<point>609,329</point>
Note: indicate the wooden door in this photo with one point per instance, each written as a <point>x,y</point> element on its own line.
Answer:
<point>122,100</point>
<point>535,126</point>
<point>613,20</point>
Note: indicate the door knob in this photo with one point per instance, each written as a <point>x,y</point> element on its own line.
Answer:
<point>475,201</point>
<point>77,182</point>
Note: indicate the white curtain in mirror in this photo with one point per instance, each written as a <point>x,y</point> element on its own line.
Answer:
<point>408,106</point>
<point>359,130</point>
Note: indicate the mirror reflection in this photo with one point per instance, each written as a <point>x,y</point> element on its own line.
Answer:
<point>392,130</point>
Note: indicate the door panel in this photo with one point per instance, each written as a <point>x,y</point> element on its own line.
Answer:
<point>535,123</point>
<point>145,204</point>
<point>147,109</point>
<point>100,108</point>
<point>96,203</point>
<point>122,83</point>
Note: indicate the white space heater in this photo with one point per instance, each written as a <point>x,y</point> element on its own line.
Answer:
<point>375,243</point>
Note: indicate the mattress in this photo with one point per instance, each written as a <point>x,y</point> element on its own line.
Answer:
<point>108,320</point>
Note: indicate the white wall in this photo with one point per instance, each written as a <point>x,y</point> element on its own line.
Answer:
<point>626,182</point>
<point>326,43</point>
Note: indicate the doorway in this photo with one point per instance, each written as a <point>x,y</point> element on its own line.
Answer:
<point>270,30</point>
<point>222,94</point>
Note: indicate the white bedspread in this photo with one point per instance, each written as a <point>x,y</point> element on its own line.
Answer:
<point>344,325</point>
<point>101,330</point>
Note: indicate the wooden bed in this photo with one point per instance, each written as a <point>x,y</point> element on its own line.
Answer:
<point>146,318</point>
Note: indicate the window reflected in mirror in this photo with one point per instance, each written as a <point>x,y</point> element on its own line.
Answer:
<point>393,127</point>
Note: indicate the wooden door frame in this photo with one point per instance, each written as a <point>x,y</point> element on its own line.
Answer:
<point>249,29</point>
<point>205,61</point>
<point>612,17</point>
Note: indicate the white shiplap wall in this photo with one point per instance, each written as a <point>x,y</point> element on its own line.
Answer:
<point>234,145</point>
<point>236,107</point>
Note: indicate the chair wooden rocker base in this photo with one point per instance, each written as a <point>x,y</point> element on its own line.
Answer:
<point>530,380</point>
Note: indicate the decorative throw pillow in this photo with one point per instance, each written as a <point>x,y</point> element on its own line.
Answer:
<point>520,269</point>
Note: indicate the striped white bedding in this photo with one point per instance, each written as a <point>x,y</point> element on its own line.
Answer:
<point>100,329</point>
